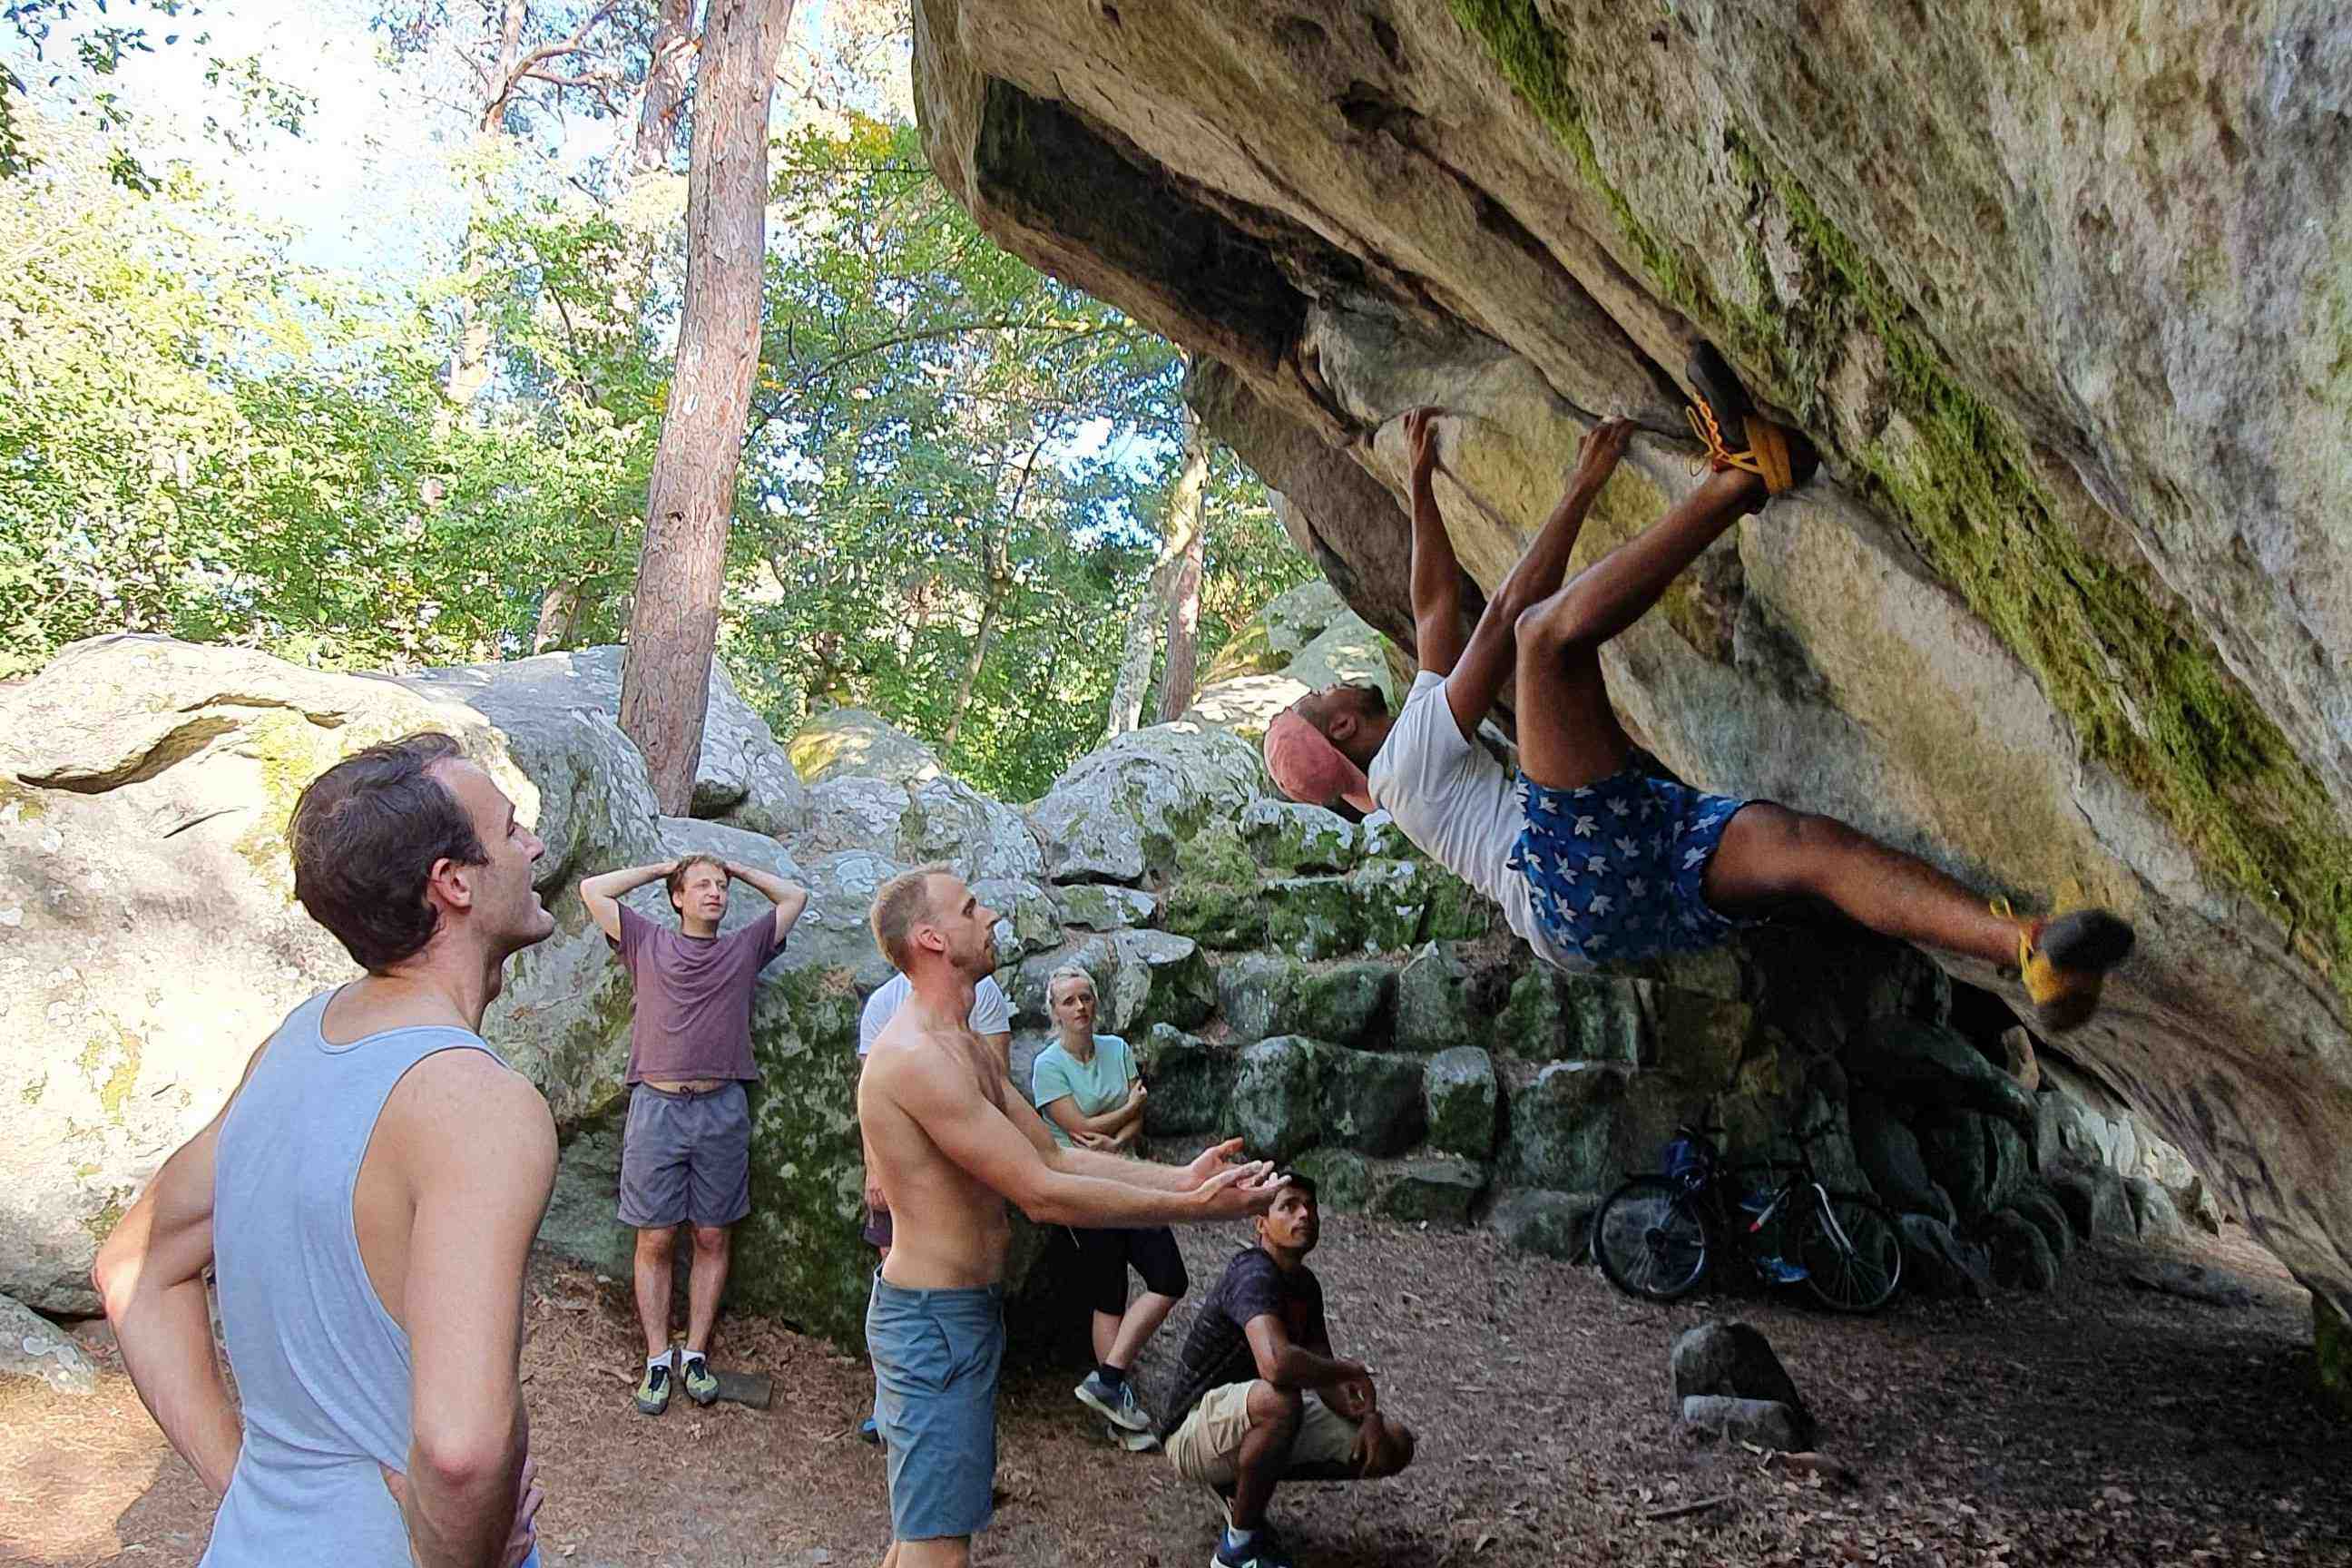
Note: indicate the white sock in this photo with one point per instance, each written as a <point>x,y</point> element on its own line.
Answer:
<point>687,1358</point>
<point>653,1360</point>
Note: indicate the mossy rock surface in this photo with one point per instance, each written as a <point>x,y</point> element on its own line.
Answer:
<point>1314,918</point>
<point>1348,1003</point>
<point>1278,1099</point>
<point>1372,1100</point>
<point>1462,1100</point>
<point>1219,915</point>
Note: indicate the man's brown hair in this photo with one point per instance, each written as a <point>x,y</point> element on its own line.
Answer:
<point>365,835</point>
<point>899,904</point>
<point>675,883</point>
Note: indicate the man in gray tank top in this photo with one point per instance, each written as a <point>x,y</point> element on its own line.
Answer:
<point>366,1201</point>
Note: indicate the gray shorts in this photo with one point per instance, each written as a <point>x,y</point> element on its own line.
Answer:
<point>936,1354</point>
<point>686,1157</point>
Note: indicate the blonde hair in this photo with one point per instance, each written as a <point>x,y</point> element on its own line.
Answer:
<point>900,905</point>
<point>1069,971</point>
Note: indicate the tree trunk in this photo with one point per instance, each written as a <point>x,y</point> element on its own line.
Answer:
<point>998,572</point>
<point>1156,607</point>
<point>1189,515</point>
<point>665,89</point>
<point>674,622</point>
<point>559,615</point>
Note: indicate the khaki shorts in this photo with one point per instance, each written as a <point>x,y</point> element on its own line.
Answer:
<point>1204,1447</point>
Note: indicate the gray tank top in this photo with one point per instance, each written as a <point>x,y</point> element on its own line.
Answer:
<point>321,1368</point>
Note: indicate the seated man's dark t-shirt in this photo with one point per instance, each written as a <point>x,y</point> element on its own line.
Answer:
<point>1217,1350</point>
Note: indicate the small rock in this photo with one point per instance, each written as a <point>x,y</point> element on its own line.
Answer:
<point>1550,1224</point>
<point>1764,1422</point>
<point>2192,1283</point>
<point>1434,1189</point>
<point>1735,1362</point>
<point>32,1346</point>
<point>1935,1262</point>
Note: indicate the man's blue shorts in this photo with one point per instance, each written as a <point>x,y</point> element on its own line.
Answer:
<point>1613,868</point>
<point>936,1354</point>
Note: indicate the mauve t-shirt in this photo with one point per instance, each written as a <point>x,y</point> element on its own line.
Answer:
<point>693,997</point>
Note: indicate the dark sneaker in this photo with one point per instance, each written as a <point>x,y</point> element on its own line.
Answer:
<point>1735,435</point>
<point>868,1432</point>
<point>653,1392</point>
<point>2064,962</point>
<point>1780,1270</point>
<point>701,1383</point>
<point>1116,1406</point>
<point>1265,1550</point>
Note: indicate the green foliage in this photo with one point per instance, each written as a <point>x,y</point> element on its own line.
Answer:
<point>199,438</point>
<point>954,481</point>
<point>98,48</point>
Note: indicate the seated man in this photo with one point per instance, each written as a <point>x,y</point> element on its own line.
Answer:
<point>1593,858</point>
<point>1242,1418</point>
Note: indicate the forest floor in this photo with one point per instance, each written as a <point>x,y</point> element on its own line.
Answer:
<point>2098,1423</point>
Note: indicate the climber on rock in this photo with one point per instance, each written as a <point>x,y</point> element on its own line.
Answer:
<point>1594,858</point>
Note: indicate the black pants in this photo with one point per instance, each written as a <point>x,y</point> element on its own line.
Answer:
<point>1105,1256</point>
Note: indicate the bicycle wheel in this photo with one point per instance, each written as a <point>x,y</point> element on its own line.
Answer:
<point>1851,1251</point>
<point>1652,1239</point>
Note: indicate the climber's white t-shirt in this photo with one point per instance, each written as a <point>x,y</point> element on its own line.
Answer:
<point>990,1013</point>
<point>1460,805</point>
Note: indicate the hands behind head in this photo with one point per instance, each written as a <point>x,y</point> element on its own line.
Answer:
<point>1602,445</point>
<point>1421,441</point>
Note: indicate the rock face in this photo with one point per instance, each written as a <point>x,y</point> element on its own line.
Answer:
<point>2069,611</point>
<point>147,944</point>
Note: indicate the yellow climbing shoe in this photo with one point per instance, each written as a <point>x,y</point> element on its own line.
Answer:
<point>2065,959</point>
<point>1783,457</point>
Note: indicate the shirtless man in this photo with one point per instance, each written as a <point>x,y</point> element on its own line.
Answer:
<point>1593,857</point>
<point>950,1143</point>
<point>366,1201</point>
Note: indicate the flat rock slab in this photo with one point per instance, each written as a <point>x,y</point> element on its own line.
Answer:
<point>2191,1281</point>
<point>1764,1422</point>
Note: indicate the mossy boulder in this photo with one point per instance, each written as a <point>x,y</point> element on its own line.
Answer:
<point>1122,812</point>
<point>1372,1100</point>
<point>2022,1257</point>
<point>1287,838</point>
<point>1561,1126</point>
<point>1190,1083</point>
<point>1257,992</point>
<point>1102,906</point>
<point>1216,914</point>
<point>1343,1179</point>
<point>1925,1065</point>
<point>1277,1100</point>
<point>1459,1093</point>
<point>1432,1189</point>
<point>1448,994</point>
<point>1348,1003</point>
<point>1552,1016</point>
<point>1548,1224</point>
<point>1162,978</point>
<point>1699,1039</point>
<point>1314,917</point>
<point>2331,1343</point>
<point>1391,898</point>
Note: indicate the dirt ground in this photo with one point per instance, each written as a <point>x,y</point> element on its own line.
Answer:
<point>2098,1424</point>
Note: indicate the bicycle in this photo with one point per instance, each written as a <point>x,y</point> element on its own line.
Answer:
<point>1655,1235</point>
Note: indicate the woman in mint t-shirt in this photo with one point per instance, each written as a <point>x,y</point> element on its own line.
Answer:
<point>1088,1090</point>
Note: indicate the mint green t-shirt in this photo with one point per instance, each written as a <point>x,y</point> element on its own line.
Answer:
<point>1098,1085</point>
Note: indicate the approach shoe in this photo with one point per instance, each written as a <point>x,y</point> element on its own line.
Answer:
<point>701,1383</point>
<point>1265,1550</point>
<point>869,1432</point>
<point>1735,435</point>
<point>1133,1442</point>
<point>1116,1406</point>
<point>2064,961</point>
<point>653,1392</point>
<point>1777,1270</point>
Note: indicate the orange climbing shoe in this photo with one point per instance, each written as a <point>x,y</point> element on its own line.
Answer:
<point>2065,960</point>
<point>1720,412</point>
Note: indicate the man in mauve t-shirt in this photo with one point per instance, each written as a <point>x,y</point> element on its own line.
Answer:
<point>686,1154</point>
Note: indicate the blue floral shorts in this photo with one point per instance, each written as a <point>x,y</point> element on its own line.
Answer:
<point>1613,868</point>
